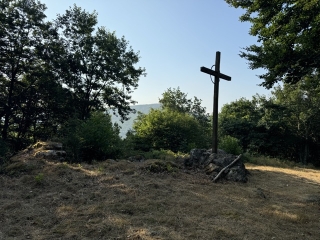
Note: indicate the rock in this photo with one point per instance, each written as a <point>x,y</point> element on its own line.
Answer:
<point>312,199</point>
<point>48,150</point>
<point>260,193</point>
<point>237,174</point>
<point>48,145</point>
<point>213,163</point>
<point>223,160</point>
<point>198,158</point>
<point>137,158</point>
<point>211,168</point>
<point>51,154</point>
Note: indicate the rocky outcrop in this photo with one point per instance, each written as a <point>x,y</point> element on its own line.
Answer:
<point>213,163</point>
<point>44,150</point>
<point>49,150</point>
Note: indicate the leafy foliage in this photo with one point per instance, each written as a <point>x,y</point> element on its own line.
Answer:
<point>176,100</point>
<point>238,119</point>
<point>230,145</point>
<point>285,126</point>
<point>289,35</point>
<point>93,139</point>
<point>180,125</point>
<point>302,115</point>
<point>53,71</point>
<point>97,67</point>
<point>22,39</point>
<point>171,130</point>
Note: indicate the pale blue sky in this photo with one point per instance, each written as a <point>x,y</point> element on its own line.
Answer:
<point>175,38</point>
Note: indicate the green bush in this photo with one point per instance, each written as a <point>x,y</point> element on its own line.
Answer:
<point>164,155</point>
<point>162,166</point>
<point>230,145</point>
<point>39,178</point>
<point>170,130</point>
<point>94,139</point>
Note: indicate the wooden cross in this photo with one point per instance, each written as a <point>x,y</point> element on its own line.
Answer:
<point>217,75</point>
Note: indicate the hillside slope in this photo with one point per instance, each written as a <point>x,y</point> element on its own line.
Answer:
<point>43,199</point>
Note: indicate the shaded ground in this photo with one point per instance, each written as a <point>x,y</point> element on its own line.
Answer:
<point>40,199</point>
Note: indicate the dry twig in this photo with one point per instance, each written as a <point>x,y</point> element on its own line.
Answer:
<point>223,169</point>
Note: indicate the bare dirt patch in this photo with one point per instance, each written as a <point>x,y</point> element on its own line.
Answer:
<point>40,199</point>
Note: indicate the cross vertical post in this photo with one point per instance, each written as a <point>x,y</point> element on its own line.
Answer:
<point>217,75</point>
<point>215,105</point>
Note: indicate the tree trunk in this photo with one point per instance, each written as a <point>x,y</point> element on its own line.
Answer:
<point>7,110</point>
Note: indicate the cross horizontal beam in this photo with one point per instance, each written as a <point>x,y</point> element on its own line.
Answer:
<point>214,73</point>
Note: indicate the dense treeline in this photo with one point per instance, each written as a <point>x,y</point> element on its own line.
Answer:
<point>286,125</point>
<point>53,73</point>
<point>288,49</point>
<point>59,78</point>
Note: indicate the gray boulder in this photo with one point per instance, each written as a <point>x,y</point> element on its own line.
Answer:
<point>212,163</point>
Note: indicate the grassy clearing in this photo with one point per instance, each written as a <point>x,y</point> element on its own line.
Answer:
<point>125,200</point>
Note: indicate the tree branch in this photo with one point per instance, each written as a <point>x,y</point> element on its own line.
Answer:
<point>223,169</point>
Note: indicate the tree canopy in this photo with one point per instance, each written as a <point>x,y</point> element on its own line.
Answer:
<point>180,125</point>
<point>170,130</point>
<point>286,125</point>
<point>288,36</point>
<point>176,100</point>
<point>22,28</point>
<point>53,71</point>
<point>98,68</point>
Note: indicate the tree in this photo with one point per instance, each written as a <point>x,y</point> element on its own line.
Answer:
<point>170,130</point>
<point>176,100</point>
<point>288,32</point>
<point>239,119</point>
<point>286,125</point>
<point>259,125</point>
<point>97,67</point>
<point>302,116</point>
<point>95,138</point>
<point>51,71</point>
<point>44,106</point>
<point>22,36</point>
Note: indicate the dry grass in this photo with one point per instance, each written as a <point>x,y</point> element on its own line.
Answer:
<point>40,199</point>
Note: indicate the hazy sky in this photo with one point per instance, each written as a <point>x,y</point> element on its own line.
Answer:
<point>175,38</point>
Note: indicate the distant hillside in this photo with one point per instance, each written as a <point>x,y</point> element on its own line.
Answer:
<point>128,124</point>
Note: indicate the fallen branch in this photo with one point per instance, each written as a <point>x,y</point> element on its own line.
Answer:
<point>223,169</point>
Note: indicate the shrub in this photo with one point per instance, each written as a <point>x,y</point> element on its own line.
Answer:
<point>230,145</point>
<point>170,130</point>
<point>162,166</point>
<point>94,139</point>
<point>164,155</point>
<point>39,178</point>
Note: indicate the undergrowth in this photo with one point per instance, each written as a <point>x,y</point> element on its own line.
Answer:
<point>272,162</point>
<point>158,154</point>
